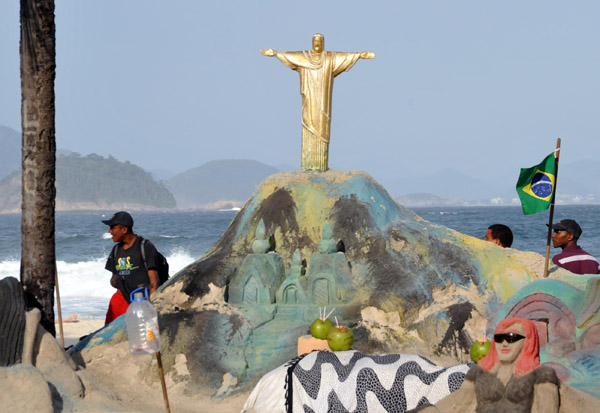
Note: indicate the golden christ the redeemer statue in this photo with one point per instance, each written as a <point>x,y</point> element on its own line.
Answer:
<point>317,68</point>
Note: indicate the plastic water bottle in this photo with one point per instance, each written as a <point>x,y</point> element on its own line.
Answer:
<point>142,324</point>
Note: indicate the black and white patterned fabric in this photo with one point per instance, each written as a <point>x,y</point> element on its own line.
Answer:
<point>350,381</point>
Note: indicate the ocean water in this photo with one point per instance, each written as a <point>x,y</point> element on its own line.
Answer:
<point>530,231</point>
<point>83,242</point>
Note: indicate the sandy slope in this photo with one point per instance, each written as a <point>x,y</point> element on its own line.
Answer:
<point>138,396</point>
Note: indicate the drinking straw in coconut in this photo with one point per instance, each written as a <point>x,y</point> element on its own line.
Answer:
<point>331,312</point>
<point>336,322</point>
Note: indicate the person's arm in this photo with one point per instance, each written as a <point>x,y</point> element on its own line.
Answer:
<point>110,266</point>
<point>589,267</point>
<point>153,276</point>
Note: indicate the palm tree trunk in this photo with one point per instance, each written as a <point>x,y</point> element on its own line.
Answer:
<point>38,68</point>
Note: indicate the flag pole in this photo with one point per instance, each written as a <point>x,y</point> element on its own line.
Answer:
<point>556,156</point>
<point>60,325</point>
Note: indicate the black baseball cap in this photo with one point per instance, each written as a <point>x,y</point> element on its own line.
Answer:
<point>569,225</point>
<point>120,217</point>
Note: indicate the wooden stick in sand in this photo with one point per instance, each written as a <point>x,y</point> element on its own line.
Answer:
<point>60,326</point>
<point>162,382</point>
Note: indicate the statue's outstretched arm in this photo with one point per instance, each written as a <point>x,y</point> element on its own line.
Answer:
<point>268,52</point>
<point>367,55</point>
<point>293,60</point>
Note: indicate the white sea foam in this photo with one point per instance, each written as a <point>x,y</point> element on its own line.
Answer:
<point>84,286</point>
<point>178,260</point>
<point>9,268</point>
<point>89,278</point>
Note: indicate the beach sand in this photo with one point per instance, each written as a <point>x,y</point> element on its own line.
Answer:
<point>74,328</point>
<point>129,396</point>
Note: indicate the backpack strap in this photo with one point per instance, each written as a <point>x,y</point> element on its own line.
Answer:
<point>114,252</point>
<point>143,249</point>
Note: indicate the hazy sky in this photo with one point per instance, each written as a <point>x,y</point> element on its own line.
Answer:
<point>484,87</point>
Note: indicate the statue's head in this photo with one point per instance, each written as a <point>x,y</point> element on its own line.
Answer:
<point>515,342</point>
<point>318,43</point>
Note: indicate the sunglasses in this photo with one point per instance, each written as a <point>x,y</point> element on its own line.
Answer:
<point>509,337</point>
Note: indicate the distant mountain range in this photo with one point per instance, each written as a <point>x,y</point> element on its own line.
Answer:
<point>426,200</point>
<point>94,182</point>
<point>218,184</point>
<point>577,184</point>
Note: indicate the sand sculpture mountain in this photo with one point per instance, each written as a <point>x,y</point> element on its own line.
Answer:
<point>401,283</point>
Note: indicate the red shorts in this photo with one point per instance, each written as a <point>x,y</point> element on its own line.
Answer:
<point>116,307</point>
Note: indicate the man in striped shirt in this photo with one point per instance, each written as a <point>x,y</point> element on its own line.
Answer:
<point>572,258</point>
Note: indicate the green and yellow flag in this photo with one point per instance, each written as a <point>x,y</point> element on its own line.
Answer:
<point>536,185</point>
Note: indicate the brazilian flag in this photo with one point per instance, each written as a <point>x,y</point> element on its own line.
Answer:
<point>536,185</point>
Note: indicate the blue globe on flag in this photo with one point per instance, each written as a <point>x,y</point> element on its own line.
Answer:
<point>541,185</point>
